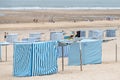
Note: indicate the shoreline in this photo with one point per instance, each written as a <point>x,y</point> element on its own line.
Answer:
<point>60,8</point>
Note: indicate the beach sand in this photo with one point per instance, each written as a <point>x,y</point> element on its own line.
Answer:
<point>108,70</point>
<point>27,16</point>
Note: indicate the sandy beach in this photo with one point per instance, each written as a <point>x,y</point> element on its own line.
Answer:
<point>27,16</point>
<point>21,22</point>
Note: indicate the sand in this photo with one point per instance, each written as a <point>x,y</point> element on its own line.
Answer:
<point>27,16</point>
<point>108,70</point>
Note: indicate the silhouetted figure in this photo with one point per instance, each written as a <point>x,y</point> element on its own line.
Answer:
<point>35,20</point>
<point>5,36</point>
<point>71,36</point>
<point>78,34</point>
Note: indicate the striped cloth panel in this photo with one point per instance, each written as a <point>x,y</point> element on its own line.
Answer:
<point>66,50</point>
<point>22,59</point>
<point>0,54</point>
<point>111,33</point>
<point>44,58</point>
<point>91,51</point>
<point>74,55</point>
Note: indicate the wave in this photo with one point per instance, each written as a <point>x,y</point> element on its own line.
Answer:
<point>66,8</point>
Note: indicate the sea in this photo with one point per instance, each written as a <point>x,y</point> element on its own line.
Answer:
<point>59,4</point>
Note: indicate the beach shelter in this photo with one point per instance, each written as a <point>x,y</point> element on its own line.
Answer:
<point>66,50</point>
<point>12,38</point>
<point>95,34</point>
<point>35,59</point>
<point>59,36</point>
<point>36,36</point>
<point>91,51</point>
<point>81,34</point>
<point>111,33</point>
<point>56,35</point>
<point>3,44</point>
<point>31,39</point>
<point>22,59</point>
<point>0,54</point>
<point>44,58</point>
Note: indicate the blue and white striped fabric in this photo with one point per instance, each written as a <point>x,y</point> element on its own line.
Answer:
<point>2,44</point>
<point>111,33</point>
<point>82,34</point>
<point>59,36</point>
<point>0,53</point>
<point>32,59</point>
<point>35,35</point>
<point>22,63</point>
<point>97,34</point>
<point>56,35</point>
<point>12,38</point>
<point>31,39</point>
<point>44,58</point>
<point>91,52</point>
<point>66,50</point>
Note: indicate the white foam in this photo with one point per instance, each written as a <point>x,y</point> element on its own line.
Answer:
<point>66,8</point>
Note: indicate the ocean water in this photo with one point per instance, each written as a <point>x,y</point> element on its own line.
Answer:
<point>59,4</point>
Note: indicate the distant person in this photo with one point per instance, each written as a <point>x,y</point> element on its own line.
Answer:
<point>78,34</point>
<point>74,20</point>
<point>35,20</point>
<point>71,36</point>
<point>5,36</point>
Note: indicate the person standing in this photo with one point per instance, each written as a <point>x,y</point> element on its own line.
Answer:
<point>78,34</point>
<point>5,36</point>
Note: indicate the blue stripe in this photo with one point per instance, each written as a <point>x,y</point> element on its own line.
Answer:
<point>0,53</point>
<point>35,59</point>
<point>66,50</point>
<point>46,61</point>
<point>91,52</point>
<point>111,33</point>
<point>22,59</point>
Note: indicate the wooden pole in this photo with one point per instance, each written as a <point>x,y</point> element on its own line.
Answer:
<point>81,59</point>
<point>0,55</point>
<point>116,53</point>
<point>6,51</point>
<point>62,59</point>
